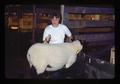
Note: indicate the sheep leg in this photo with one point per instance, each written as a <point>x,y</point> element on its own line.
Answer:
<point>71,60</point>
<point>41,68</point>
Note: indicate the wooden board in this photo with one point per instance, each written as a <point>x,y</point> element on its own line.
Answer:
<point>92,30</point>
<point>26,22</point>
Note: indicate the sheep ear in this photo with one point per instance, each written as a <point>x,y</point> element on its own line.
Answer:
<point>78,51</point>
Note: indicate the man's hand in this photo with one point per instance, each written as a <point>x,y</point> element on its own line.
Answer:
<point>47,39</point>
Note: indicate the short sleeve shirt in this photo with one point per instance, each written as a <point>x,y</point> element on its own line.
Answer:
<point>57,33</point>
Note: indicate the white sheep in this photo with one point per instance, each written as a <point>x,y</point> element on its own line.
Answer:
<point>57,56</point>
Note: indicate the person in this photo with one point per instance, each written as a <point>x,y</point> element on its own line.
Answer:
<point>56,32</point>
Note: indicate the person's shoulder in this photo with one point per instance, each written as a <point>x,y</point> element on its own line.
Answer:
<point>64,26</point>
<point>48,27</point>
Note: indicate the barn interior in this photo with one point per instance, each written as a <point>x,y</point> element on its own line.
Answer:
<point>92,24</point>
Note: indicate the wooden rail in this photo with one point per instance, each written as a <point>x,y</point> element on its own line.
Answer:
<point>93,30</point>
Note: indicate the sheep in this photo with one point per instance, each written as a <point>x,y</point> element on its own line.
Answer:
<point>57,56</point>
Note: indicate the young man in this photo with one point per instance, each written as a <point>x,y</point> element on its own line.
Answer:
<point>55,33</point>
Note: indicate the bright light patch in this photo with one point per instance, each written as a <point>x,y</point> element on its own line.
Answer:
<point>14,27</point>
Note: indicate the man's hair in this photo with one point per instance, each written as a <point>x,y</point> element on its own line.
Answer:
<point>57,16</point>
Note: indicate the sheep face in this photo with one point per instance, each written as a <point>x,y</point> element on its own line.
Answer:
<point>76,46</point>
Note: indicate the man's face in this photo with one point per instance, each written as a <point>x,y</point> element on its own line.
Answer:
<point>55,21</point>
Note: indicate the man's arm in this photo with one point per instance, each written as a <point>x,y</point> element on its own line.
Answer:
<point>68,34</point>
<point>69,38</point>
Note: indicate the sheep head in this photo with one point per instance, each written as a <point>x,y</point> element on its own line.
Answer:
<point>76,46</point>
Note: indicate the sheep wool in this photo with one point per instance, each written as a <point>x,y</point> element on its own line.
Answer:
<point>41,55</point>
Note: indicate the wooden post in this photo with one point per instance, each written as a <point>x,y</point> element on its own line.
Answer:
<point>62,13</point>
<point>112,56</point>
<point>34,24</point>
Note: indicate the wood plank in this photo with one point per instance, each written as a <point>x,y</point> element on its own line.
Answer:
<point>93,30</point>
